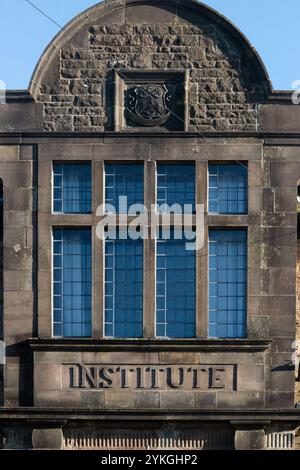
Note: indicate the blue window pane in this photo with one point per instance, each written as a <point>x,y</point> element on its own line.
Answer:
<point>161,329</point>
<point>72,188</point>
<point>57,206</point>
<point>175,289</point>
<point>227,284</point>
<point>124,288</point>
<point>57,329</point>
<point>72,300</point>
<point>109,330</point>
<point>176,185</point>
<point>124,180</point>
<point>67,330</point>
<point>228,188</point>
<point>86,330</point>
<point>57,316</point>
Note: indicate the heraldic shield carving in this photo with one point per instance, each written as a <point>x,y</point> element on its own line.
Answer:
<point>148,105</point>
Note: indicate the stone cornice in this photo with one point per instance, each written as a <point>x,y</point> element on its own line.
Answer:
<point>79,414</point>
<point>153,345</point>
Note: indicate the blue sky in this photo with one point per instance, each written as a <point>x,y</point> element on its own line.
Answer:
<point>271,26</point>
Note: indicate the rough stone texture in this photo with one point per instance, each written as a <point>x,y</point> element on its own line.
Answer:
<point>297,384</point>
<point>223,94</point>
<point>297,397</point>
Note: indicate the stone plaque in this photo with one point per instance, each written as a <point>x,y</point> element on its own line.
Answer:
<point>150,99</point>
<point>150,377</point>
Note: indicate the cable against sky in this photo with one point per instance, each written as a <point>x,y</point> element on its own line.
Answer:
<point>43,13</point>
<point>197,133</point>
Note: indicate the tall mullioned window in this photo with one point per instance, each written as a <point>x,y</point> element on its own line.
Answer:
<point>176,185</point>
<point>72,188</point>
<point>228,188</point>
<point>72,282</point>
<point>122,179</point>
<point>228,283</point>
<point>123,257</point>
<point>124,288</point>
<point>175,288</point>
<point>170,260</point>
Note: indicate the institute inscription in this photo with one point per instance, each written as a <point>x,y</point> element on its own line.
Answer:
<point>150,377</point>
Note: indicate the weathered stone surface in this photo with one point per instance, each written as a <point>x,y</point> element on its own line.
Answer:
<point>221,95</point>
<point>280,118</point>
<point>76,93</point>
<point>47,438</point>
<point>297,343</point>
<point>14,118</point>
<point>253,439</point>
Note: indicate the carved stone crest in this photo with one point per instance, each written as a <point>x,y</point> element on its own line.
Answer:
<point>148,105</point>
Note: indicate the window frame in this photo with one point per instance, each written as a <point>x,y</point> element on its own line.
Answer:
<point>167,337</point>
<point>244,230</point>
<point>223,163</point>
<point>123,163</point>
<point>70,163</point>
<point>191,163</point>
<point>53,228</point>
<point>212,221</point>
<point>105,295</point>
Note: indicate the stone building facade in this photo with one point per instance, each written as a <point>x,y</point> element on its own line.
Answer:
<point>149,84</point>
<point>298,323</point>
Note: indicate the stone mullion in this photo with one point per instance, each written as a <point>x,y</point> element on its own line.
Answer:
<point>98,253</point>
<point>202,255</point>
<point>45,249</point>
<point>149,254</point>
<point>258,269</point>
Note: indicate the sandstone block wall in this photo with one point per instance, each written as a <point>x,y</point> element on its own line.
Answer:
<point>223,93</point>
<point>297,395</point>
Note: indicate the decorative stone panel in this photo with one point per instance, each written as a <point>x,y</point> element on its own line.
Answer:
<point>109,380</point>
<point>152,99</point>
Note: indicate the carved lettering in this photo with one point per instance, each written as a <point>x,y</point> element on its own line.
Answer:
<point>140,377</point>
<point>107,376</point>
<point>176,377</point>
<point>217,377</point>
<point>89,377</point>
<point>154,377</point>
<point>200,377</point>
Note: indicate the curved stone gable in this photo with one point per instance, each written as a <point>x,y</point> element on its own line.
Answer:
<point>226,80</point>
